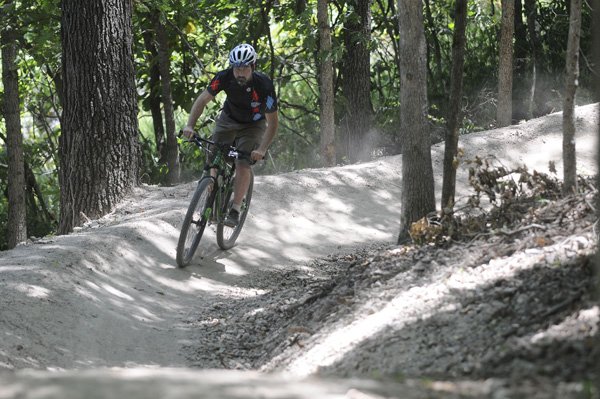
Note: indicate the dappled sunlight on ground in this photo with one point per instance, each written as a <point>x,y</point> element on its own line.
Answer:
<point>300,228</point>
<point>110,294</point>
<point>33,291</point>
<point>139,382</point>
<point>428,298</point>
<point>124,292</point>
<point>118,275</point>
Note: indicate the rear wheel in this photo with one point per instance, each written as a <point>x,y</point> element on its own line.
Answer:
<point>226,236</point>
<point>195,220</point>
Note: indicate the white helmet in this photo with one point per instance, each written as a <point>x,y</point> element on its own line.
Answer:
<point>242,55</point>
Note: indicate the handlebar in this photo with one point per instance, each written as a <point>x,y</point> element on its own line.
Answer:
<point>229,150</point>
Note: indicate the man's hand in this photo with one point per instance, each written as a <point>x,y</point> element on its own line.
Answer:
<point>188,132</point>
<point>258,154</point>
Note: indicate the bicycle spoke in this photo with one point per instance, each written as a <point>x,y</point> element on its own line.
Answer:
<point>205,211</point>
<point>226,236</point>
<point>194,224</point>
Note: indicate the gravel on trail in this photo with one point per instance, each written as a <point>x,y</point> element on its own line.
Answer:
<point>315,301</point>
<point>512,303</point>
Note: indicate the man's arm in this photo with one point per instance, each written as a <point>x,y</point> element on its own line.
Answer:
<point>272,124</point>
<point>204,98</point>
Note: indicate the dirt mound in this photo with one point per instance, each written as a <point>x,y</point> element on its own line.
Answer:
<point>315,284</point>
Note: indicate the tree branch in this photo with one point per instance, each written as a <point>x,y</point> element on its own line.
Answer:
<point>188,45</point>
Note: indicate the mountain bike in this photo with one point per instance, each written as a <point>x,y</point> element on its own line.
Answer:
<point>212,200</point>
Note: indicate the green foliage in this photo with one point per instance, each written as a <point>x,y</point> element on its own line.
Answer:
<point>200,35</point>
<point>554,26</point>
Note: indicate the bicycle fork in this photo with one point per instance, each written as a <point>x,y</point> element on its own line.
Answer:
<point>217,211</point>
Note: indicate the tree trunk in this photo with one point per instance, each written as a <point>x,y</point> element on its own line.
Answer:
<point>596,46</point>
<point>437,50</point>
<point>164,65</point>
<point>505,65</point>
<point>454,114</point>
<point>17,225</point>
<point>417,173</point>
<point>326,86</point>
<point>357,78</point>
<point>520,93</point>
<point>99,141</point>
<point>535,102</point>
<point>264,12</point>
<point>596,50</point>
<point>521,46</point>
<point>36,192</point>
<point>571,77</point>
<point>154,97</point>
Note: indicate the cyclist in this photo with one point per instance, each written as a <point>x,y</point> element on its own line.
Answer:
<point>249,115</point>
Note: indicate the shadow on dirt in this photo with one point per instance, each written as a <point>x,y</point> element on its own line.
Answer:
<point>540,322</point>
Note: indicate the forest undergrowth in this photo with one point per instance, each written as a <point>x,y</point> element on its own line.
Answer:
<point>503,288</point>
<point>506,202</point>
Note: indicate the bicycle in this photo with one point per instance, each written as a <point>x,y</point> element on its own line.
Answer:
<point>212,201</point>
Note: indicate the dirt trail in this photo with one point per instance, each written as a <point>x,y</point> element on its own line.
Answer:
<point>110,295</point>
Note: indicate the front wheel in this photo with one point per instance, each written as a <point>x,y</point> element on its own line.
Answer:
<point>195,220</point>
<point>226,236</point>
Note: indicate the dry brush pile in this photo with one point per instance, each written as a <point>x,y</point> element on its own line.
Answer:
<point>501,289</point>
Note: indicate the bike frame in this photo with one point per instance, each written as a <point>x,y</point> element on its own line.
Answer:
<point>211,200</point>
<point>225,171</point>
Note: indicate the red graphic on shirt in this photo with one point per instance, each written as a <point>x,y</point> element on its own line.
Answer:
<point>255,100</point>
<point>215,85</point>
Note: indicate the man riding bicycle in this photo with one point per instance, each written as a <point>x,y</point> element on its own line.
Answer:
<point>249,115</point>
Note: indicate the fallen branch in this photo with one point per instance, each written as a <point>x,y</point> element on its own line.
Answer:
<point>509,233</point>
<point>562,305</point>
<point>521,229</point>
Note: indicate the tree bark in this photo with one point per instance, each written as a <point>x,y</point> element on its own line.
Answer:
<point>535,102</point>
<point>417,196</point>
<point>520,93</point>
<point>505,67</point>
<point>99,149</point>
<point>521,46</point>
<point>154,97</point>
<point>571,78</point>
<point>454,114</point>
<point>17,225</point>
<point>596,50</point>
<point>357,78</point>
<point>164,66</point>
<point>36,192</point>
<point>327,116</point>
<point>596,46</point>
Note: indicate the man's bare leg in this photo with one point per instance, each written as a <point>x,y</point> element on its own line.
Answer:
<point>241,183</point>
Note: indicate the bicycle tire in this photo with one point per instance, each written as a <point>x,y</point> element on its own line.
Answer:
<point>226,236</point>
<point>190,236</point>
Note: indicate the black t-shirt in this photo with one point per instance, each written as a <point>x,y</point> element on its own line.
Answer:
<point>248,103</point>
